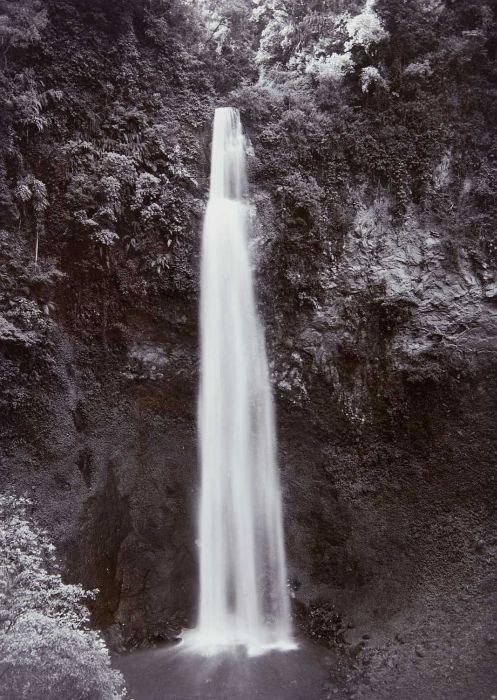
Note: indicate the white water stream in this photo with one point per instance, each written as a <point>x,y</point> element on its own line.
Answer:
<point>243,594</point>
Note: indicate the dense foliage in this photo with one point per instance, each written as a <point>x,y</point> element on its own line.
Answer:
<point>103,107</point>
<point>360,99</point>
<point>106,106</point>
<point>46,647</point>
<point>104,146</point>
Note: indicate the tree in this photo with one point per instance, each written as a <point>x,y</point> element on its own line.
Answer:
<point>46,646</point>
<point>319,38</point>
<point>21,24</point>
<point>29,189</point>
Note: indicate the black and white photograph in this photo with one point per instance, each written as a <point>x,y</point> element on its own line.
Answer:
<point>248,349</point>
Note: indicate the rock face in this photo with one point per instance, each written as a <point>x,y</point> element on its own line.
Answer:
<point>137,525</point>
<point>387,393</point>
<point>385,384</point>
<point>381,328</point>
<point>107,453</point>
<point>386,396</point>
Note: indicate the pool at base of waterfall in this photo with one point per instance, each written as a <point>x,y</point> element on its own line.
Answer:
<point>178,673</point>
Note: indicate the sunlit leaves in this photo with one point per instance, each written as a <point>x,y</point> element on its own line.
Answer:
<point>46,646</point>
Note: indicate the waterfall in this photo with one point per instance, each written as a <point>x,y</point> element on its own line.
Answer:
<point>243,595</point>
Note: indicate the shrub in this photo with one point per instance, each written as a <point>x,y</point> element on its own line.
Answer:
<point>46,646</point>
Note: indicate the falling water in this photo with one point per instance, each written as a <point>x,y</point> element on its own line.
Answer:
<point>243,596</point>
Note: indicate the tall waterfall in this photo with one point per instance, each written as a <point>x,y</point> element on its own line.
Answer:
<point>243,595</point>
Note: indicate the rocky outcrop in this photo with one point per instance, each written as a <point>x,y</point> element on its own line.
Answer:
<point>137,525</point>
<point>386,395</point>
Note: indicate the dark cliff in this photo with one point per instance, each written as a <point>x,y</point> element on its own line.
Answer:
<point>374,243</point>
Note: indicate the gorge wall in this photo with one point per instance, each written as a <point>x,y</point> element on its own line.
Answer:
<point>379,303</point>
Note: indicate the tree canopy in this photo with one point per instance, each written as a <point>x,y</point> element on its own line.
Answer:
<point>46,646</point>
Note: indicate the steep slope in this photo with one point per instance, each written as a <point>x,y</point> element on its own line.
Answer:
<point>374,245</point>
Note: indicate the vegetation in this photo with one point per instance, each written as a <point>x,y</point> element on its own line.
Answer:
<point>106,106</point>
<point>104,138</point>
<point>391,97</point>
<point>46,647</point>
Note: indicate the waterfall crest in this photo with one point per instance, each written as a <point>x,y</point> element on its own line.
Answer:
<point>243,595</point>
